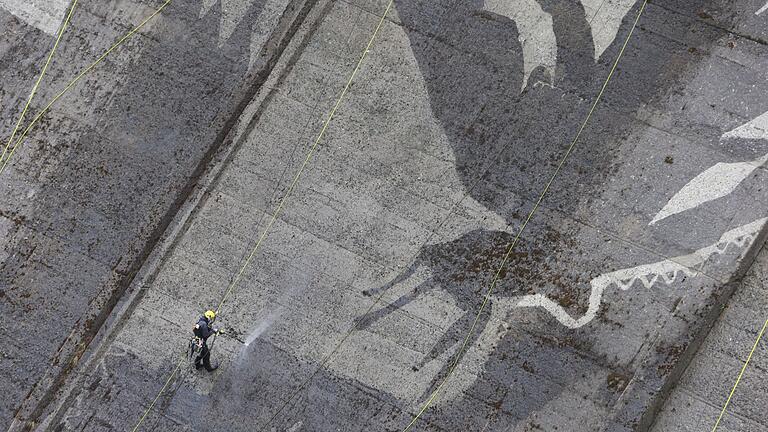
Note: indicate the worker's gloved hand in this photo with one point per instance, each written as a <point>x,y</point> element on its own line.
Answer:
<point>218,330</point>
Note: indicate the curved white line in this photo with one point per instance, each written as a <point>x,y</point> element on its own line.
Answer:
<point>647,274</point>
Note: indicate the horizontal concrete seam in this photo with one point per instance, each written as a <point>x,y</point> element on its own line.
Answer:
<point>392,184</point>
<point>178,24</point>
<point>755,39</point>
<point>364,253</point>
<point>659,128</point>
<point>355,385</point>
<point>352,289</point>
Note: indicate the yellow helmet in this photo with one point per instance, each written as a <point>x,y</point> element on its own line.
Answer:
<point>211,315</point>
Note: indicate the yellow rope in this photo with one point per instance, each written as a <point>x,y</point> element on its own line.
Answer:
<point>39,79</point>
<point>738,379</point>
<point>512,245</point>
<point>304,164</point>
<point>162,390</point>
<point>292,186</point>
<point>74,81</point>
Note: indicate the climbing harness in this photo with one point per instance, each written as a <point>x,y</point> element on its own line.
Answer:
<point>194,348</point>
<point>196,343</point>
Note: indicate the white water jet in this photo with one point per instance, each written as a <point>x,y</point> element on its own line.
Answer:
<point>261,326</point>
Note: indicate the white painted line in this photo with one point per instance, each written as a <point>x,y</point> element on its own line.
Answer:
<point>762,9</point>
<point>666,271</point>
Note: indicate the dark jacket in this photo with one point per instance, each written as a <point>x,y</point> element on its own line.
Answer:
<point>203,330</point>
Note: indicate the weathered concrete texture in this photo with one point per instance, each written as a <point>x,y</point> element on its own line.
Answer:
<point>45,15</point>
<point>429,166</point>
<point>426,172</point>
<point>697,400</point>
<point>95,183</point>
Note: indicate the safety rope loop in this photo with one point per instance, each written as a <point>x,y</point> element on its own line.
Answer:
<point>513,244</point>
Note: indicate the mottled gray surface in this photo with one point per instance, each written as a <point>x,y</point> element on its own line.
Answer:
<point>426,172</point>
<point>697,400</point>
<point>94,184</point>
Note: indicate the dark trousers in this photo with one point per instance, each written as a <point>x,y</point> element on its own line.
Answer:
<point>204,359</point>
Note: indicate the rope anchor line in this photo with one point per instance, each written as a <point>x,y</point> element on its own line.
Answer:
<point>37,85</point>
<point>7,155</point>
<point>486,297</point>
<point>741,374</point>
<point>281,205</point>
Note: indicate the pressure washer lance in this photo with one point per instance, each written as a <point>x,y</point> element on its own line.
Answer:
<point>213,340</point>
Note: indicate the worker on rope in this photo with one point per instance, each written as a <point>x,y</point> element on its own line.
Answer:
<point>199,345</point>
